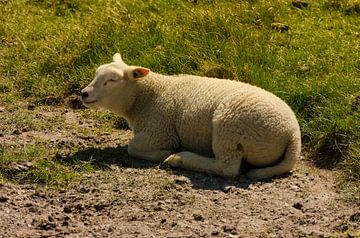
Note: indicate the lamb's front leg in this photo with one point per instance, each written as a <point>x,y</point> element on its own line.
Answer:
<point>155,155</point>
<point>143,147</point>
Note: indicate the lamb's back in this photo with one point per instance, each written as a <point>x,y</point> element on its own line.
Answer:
<point>193,103</point>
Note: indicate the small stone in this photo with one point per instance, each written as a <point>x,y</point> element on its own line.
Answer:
<point>99,207</point>
<point>39,194</point>
<point>47,226</point>
<point>16,132</point>
<point>198,217</point>
<point>342,227</point>
<point>79,207</point>
<point>215,233</point>
<point>298,206</point>
<point>25,129</point>
<point>163,220</point>
<point>158,208</point>
<point>32,209</point>
<point>227,189</point>
<point>295,188</point>
<point>3,199</point>
<point>355,217</point>
<point>229,229</point>
<point>51,218</point>
<point>67,209</point>
<point>84,190</point>
<point>132,218</point>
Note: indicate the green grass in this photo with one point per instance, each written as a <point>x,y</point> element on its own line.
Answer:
<point>50,48</point>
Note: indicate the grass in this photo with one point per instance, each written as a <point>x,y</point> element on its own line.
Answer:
<point>50,48</point>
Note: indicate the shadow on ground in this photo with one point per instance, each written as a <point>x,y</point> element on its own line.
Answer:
<point>104,158</point>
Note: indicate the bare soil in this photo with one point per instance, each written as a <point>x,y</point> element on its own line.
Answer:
<point>135,198</point>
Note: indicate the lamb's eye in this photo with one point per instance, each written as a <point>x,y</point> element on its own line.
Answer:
<point>109,80</point>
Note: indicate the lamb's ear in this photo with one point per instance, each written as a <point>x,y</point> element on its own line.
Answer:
<point>139,72</point>
<point>117,58</point>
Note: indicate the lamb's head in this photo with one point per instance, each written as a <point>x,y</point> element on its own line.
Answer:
<point>113,87</point>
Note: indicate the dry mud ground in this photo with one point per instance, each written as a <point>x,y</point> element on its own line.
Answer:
<point>135,198</point>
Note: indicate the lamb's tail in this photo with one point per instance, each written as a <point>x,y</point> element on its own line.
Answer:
<point>292,153</point>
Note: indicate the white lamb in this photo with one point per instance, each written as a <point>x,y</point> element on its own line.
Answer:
<point>217,124</point>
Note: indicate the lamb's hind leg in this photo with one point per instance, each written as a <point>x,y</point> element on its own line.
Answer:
<point>191,161</point>
<point>226,147</point>
<point>226,164</point>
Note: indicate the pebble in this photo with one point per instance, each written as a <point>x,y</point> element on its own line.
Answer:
<point>298,206</point>
<point>198,217</point>
<point>65,223</point>
<point>39,194</point>
<point>3,199</point>
<point>229,229</point>
<point>16,132</point>
<point>47,226</point>
<point>32,209</point>
<point>227,189</point>
<point>99,207</point>
<point>295,188</point>
<point>355,217</point>
<point>67,209</point>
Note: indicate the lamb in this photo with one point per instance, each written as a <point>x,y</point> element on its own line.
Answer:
<point>198,123</point>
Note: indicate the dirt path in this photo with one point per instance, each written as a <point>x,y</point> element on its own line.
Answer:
<point>146,201</point>
<point>135,198</point>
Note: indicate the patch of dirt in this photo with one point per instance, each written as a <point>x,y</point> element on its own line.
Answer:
<point>135,198</point>
<point>151,202</point>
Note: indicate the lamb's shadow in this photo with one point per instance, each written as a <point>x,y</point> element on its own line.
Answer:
<point>104,158</point>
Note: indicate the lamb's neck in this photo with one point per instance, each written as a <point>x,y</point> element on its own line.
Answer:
<point>144,97</point>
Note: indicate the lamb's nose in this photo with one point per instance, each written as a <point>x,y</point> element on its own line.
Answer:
<point>84,94</point>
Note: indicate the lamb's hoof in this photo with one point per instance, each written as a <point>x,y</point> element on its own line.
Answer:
<point>173,161</point>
